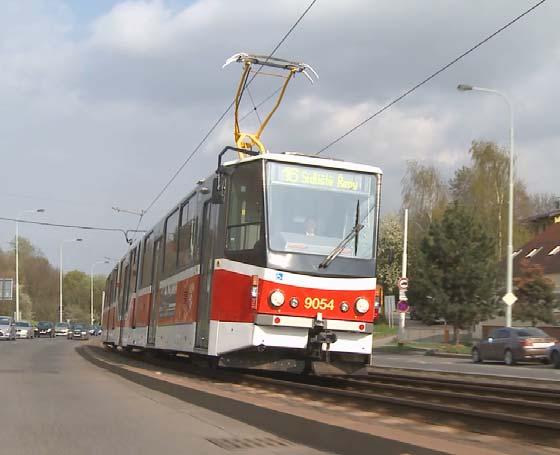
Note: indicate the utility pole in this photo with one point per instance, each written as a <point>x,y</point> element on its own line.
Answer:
<point>403,282</point>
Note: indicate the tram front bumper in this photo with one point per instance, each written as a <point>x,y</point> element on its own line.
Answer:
<point>294,332</point>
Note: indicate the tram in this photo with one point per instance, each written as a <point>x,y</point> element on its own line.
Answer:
<point>268,263</point>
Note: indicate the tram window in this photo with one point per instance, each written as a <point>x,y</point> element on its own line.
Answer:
<point>188,233</point>
<point>147,256</point>
<point>114,285</point>
<point>171,231</point>
<point>133,270</point>
<point>245,214</point>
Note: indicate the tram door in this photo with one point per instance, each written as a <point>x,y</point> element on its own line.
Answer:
<point>209,220</point>
<point>154,301</point>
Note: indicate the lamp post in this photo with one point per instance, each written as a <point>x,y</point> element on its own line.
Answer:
<point>17,254</point>
<point>509,298</point>
<point>61,272</point>
<point>106,261</point>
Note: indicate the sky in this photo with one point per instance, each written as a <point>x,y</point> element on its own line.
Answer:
<point>102,100</point>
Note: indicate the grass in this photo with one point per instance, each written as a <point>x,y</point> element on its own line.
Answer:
<point>383,330</point>
<point>417,346</point>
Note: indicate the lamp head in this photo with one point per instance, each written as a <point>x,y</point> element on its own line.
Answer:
<point>464,87</point>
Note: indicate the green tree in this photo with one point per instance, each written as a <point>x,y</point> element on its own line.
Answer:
<point>390,252</point>
<point>482,188</point>
<point>454,277</point>
<point>535,295</point>
<point>76,296</point>
<point>425,194</point>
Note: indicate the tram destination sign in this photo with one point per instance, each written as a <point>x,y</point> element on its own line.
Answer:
<point>297,175</point>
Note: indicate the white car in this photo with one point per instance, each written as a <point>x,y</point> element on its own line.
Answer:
<point>24,329</point>
<point>7,328</point>
<point>61,329</point>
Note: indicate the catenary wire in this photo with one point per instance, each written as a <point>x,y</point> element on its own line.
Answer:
<point>73,226</point>
<point>429,78</point>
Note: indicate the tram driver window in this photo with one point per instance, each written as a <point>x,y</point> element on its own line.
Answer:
<point>245,214</point>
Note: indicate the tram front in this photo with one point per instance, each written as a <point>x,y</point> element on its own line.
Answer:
<point>304,231</point>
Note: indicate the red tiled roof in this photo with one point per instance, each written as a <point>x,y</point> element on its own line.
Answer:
<point>543,243</point>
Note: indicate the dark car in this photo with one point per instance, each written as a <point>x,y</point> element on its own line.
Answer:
<point>79,332</point>
<point>553,354</point>
<point>46,329</point>
<point>70,330</point>
<point>513,344</point>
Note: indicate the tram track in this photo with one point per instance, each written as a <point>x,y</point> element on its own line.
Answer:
<point>486,407</point>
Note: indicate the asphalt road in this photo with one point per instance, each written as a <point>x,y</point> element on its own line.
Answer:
<point>463,365</point>
<point>55,402</point>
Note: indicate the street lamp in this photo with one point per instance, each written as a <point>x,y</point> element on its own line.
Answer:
<point>106,261</point>
<point>509,298</point>
<point>17,254</point>
<point>62,243</point>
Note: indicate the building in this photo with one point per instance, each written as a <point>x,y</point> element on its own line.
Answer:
<point>543,250</point>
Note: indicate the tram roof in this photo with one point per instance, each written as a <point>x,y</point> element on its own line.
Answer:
<point>297,158</point>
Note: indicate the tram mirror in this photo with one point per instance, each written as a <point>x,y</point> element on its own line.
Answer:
<point>204,190</point>
<point>217,196</point>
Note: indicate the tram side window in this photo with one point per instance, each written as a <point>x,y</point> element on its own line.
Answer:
<point>113,286</point>
<point>245,214</point>
<point>147,257</point>
<point>133,270</point>
<point>188,233</point>
<point>171,243</point>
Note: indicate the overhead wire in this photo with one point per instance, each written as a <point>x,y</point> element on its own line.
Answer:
<point>73,226</point>
<point>221,117</point>
<point>429,78</point>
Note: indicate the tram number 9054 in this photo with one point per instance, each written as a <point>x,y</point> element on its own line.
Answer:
<point>318,304</point>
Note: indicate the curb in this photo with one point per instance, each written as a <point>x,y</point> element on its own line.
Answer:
<point>449,355</point>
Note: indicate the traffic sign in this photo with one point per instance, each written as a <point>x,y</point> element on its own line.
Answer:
<point>403,306</point>
<point>509,298</point>
<point>6,286</point>
<point>402,283</point>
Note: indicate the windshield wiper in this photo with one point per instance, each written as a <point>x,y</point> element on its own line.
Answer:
<point>353,234</point>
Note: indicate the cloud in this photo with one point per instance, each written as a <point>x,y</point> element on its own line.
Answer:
<point>100,112</point>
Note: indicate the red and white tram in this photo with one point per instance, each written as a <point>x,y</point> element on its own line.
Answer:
<point>269,262</point>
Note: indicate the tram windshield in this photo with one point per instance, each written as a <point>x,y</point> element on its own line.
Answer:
<point>311,210</point>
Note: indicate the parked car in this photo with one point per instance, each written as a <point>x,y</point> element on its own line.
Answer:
<point>7,328</point>
<point>46,329</point>
<point>513,344</point>
<point>95,330</point>
<point>24,329</point>
<point>553,354</point>
<point>79,332</point>
<point>61,329</point>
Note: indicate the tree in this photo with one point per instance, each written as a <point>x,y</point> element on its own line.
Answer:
<point>76,296</point>
<point>543,203</point>
<point>536,295</point>
<point>482,188</point>
<point>425,194</point>
<point>454,276</point>
<point>389,252</point>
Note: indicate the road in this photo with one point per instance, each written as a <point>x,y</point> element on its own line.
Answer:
<point>56,402</point>
<point>463,365</point>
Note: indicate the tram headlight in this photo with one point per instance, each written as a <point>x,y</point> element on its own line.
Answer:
<point>362,305</point>
<point>276,298</point>
<point>344,307</point>
<point>294,302</point>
